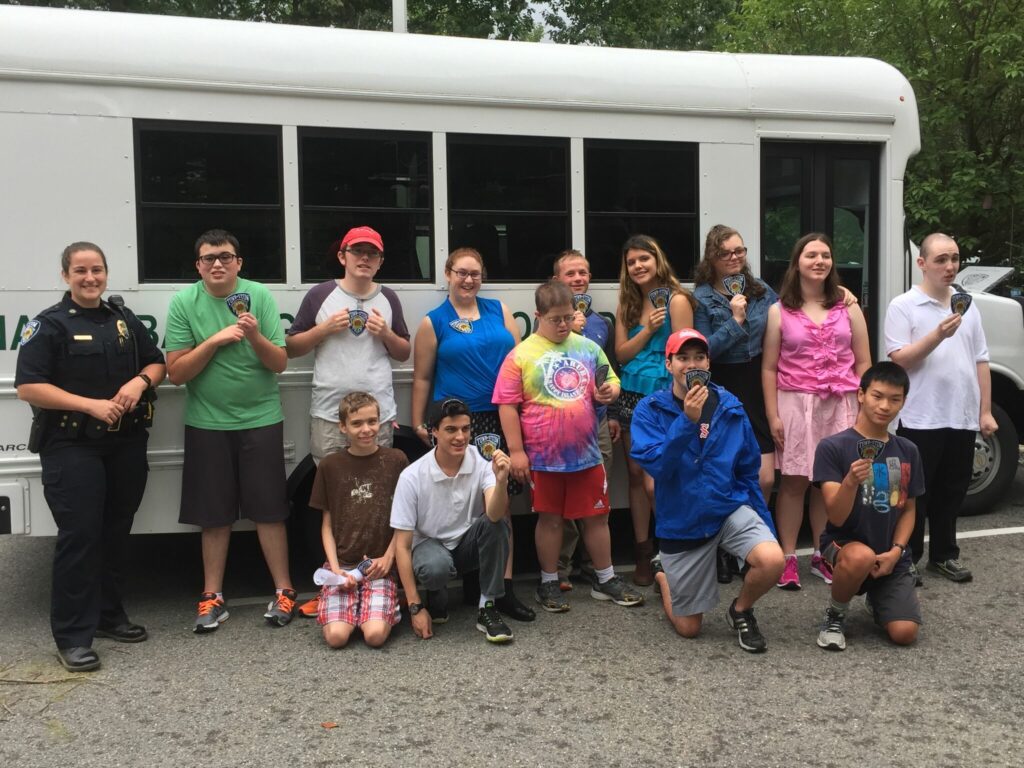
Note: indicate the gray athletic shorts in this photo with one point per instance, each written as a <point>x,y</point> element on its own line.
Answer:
<point>892,597</point>
<point>692,575</point>
<point>325,437</point>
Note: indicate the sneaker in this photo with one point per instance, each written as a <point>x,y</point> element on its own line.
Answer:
<point>280,609</point>
<point>821,568</point>
<point>615,589</point>
<point>212,612</point>
<point>489,622</point>
<point>656,568</point>
<point>723,571</point>
<point>831,636</point>
<point>745,624</point>
<point>952,569</point>
<point>551,598</point>
<point>790,578</point>
<point>310,608</point>
<point>918,581</point>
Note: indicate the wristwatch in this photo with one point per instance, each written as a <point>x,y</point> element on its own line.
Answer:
<point>903,548</point>
<point>415,608</point>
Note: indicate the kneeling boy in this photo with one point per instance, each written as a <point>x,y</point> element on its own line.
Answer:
<point>696,441</point>
<point>354,487</point>
<point>869,480</point>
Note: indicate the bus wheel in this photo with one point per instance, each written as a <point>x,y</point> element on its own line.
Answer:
<point>995,464</point>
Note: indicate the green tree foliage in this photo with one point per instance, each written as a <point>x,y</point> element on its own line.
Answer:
<point>965,59</point>
<point>662,24</point>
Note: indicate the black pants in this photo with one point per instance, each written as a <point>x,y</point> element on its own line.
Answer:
<point>93,488</point>
<point>947,457</point>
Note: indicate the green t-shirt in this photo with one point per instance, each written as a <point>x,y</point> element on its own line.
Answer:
<point>235,390</point>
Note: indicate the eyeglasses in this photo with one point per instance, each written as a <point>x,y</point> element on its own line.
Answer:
<point>224,258</point>
<point>561,319</point>
<point>370,254</point>
<point>463,274</point>
<point>737,253</point>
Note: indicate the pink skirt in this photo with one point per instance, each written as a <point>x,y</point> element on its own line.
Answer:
<point>807,419</point>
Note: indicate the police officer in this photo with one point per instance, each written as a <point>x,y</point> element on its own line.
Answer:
<point>87,366</point>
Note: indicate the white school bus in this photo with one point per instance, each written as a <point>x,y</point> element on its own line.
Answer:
<point>140,132</point>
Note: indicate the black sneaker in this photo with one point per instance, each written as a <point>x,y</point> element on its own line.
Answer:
<point>745,624</point>
<point>437,606</point>
<point>489,622</point>
<point>952,569</point>
<point>551,598</point>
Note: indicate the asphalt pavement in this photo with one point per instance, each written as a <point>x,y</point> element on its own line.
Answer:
<point>599,686</point>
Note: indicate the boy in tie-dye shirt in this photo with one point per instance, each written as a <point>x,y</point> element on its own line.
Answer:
<point>545,393</point>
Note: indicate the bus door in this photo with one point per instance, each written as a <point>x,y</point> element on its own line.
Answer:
<point>830,188</point>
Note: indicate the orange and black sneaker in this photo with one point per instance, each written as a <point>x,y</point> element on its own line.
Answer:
<point>281,608</point>
<point>212,611</point>
<point>310,608</point>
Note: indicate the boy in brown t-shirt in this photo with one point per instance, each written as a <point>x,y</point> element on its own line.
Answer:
<point>354,488</point>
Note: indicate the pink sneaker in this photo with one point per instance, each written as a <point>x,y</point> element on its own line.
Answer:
<point>821,568</point>
<point>790,578</point>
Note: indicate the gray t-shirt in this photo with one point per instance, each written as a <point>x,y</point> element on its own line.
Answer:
<point>350,361</point>
<point>435,506</point>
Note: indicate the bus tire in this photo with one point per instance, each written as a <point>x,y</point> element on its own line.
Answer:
<point>995,463</point>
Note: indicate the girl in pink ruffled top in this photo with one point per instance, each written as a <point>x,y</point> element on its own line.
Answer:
<point>815,350</point>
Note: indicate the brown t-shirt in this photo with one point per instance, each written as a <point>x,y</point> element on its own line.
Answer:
<point>357,491</point>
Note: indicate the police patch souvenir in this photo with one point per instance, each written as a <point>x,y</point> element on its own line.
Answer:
<point>581,302</point>
<point>697,376</point>
<point>462,325</point>
<point>659,297</point>
<point>357,321</point>
<point>28,332</point>
<point>487,443</point>
<point>960,302</point>
<point>238,303</point>
<point>869,449</point>
<point>735,284</point>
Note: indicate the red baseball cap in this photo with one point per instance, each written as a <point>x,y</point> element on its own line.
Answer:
<point>679,338</point>
<point>362,235</point>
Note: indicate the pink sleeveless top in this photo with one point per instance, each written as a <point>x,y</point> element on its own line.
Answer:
<point>817,359</point>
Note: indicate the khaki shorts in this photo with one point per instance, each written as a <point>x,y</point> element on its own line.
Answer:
<point>325,437</point>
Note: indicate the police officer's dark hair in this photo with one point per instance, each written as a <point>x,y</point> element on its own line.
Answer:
<point>217,237</point>
<point>81,245</point>
<point>886,372</point>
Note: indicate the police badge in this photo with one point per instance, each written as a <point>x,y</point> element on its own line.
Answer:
<point>31,329</point>
<point>659,297</point>
<point>735,284</point>
<point>581,302</point>
<point>487,443</point>
<point>238,303</point>
<point>357,321</point>
<point>122,333</point>
<point>960,302</point>
<point>697,376</point>
<point>462,325</point>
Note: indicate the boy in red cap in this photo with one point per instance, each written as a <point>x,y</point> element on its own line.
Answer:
<point>696,442</point>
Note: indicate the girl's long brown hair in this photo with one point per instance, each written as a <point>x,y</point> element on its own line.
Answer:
<point>705,272</point>
<point>789,293</point>
<point>631,301</point>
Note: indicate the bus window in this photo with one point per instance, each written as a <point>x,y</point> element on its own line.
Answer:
<point>191,177</point>
<point>508,197</point>
<point>375,178</point>
<point>640,187</point>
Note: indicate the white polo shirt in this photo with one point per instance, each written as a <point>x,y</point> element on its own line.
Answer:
<point>435,506</point>
<point>944,390</point>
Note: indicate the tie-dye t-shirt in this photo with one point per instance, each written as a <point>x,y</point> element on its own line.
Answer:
<point>553,385</point>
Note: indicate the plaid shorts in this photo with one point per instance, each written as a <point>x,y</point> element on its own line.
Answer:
<point>375,600</point>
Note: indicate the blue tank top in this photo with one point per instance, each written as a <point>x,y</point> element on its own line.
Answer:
<point>469,353</point>
<point>646,373</point>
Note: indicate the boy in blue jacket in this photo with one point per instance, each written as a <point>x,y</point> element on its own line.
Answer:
<point>698,445</point>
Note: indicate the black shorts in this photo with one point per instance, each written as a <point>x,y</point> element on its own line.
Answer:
<point>627,402</point>
<point>231,474</point>
<point>483,422</point>
<point>893,597</point>
<point>744,381</point>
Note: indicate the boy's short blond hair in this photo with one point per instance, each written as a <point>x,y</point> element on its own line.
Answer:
<point>353,401</point>
<point>564,256</point>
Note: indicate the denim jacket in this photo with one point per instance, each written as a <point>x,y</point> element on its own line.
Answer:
<point>729,342</point>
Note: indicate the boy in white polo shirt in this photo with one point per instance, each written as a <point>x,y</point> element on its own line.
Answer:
<point>945,354</point>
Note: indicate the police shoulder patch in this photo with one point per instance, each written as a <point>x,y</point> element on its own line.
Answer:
<point>28,332</point>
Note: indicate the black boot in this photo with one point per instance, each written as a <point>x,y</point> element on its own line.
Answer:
<point>509,605</point>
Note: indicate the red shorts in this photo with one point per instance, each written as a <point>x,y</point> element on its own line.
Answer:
<point>572,495</point>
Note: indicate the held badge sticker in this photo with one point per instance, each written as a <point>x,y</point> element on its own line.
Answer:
<point>659,297</point>
<point>238,303</point>
<point>462,325</point>
<point>869,449</point>
<point>960,302</point>
<point>697,376</point>
<point>487,443</point>
<point>582,302</point>
<point>28,332</point>
<point>735,284</point>
<point>357,321</point>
